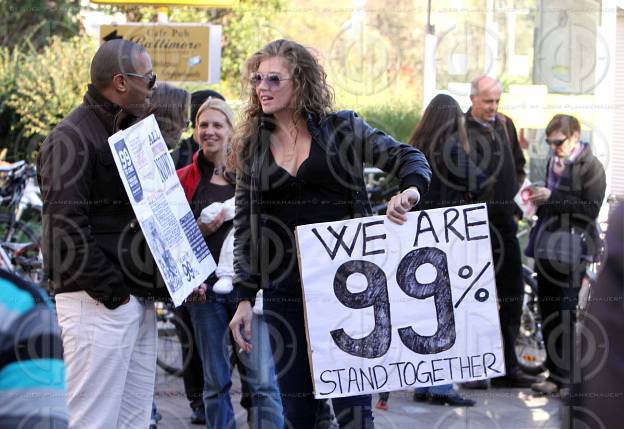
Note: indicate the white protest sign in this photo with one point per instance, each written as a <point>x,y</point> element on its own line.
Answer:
<point>392,307</point>
<point>149,176</point>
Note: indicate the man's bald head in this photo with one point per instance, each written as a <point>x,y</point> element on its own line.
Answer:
<point>484,83</point>
<point>114,57</point>
<point>485,93</point>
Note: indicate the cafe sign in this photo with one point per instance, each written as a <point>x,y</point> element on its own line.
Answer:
<point>179,52</point>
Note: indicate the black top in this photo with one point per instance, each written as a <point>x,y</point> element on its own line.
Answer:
<point>206,194</point>
<point>315,194</point>
<point>497,147</point>
<point>456,176</point>
<point>348,143</point>
<point>183,154</point>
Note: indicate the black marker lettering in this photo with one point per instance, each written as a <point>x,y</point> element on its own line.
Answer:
<point>413,369</point>
<point>327,381</point>
<point>434,370</point>
<point>385,373</point>
<point>449,225</point>
<point>376,343</point>
<point>489,365</point>
<point>353,379</point>
<point>440,289</point>
<point>470,224</point>
<point>368,378</point>
<point>366,239</point>
<point>421,216</point>
<point>339,240</point>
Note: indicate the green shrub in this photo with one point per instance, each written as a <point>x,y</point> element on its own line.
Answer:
<point>398,121</point>
<point>10,60</point>
<point>49,85</point>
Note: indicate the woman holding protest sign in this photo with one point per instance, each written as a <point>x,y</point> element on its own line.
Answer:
<point>456,179</point>
<point>563,241</point>
<point>300,162</point>
<point>205,181</point>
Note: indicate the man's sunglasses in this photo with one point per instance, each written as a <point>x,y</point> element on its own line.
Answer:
<point>273,80</point>
<point>149,77</point>
<point>557,142</point>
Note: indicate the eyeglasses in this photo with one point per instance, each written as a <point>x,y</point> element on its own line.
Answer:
<point>557,142</point>
<point>273,80</point>
<point>150,77</point>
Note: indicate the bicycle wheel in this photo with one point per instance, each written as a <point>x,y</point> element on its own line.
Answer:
<point>530,348</point>
<point>169,355</point>
<point>27,262</point>
<point>22,232</point>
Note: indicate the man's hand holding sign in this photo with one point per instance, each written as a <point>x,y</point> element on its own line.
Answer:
<point>392,306</point>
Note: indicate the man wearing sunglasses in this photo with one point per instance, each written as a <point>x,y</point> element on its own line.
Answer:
<point>95,256</point>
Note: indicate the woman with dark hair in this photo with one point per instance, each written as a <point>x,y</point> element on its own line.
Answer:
<point>170,106</point>
<point>441,136</point>
<point>300,162</point>
<point>563,240</point>
<point>456,179</point>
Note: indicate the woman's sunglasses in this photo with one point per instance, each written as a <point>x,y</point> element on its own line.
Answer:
<point>557,142</point>
<point>273,80</point>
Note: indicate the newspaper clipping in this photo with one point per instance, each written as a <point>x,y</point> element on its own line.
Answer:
<point>149,176</point>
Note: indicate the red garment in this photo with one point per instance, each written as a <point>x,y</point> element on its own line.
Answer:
<point>190,176</point>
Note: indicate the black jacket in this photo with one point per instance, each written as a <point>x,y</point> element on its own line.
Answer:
<point>456,177</point>
<point>183,154</point>
<point>91,240</point>
<point>349,143</point>
<point>502,161</point>
<point>576,201</point>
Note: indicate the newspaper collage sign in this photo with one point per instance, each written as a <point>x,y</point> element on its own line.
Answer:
<point>392,307</point>
<point>149,176</point>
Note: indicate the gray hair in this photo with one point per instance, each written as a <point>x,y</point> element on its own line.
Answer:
<point>474,84</point>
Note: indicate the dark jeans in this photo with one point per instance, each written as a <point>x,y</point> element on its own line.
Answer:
<point>290,351</point>
<point>193,372</point>
<point>558,290</point>
<point>509,286</point>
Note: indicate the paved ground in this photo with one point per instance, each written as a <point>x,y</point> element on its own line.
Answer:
<point>496,408</point>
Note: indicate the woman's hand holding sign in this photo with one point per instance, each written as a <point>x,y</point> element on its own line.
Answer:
<point>400,204</point>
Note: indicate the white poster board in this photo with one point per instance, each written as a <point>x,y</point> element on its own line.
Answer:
<point>149,176</point>
<point>392,307</point>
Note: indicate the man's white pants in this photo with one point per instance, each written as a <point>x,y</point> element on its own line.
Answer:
<point>110,358</point>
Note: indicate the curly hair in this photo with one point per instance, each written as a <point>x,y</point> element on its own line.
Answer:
<point>312,92</point>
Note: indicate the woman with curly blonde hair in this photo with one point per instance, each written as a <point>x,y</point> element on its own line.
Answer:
<point>300,162</point>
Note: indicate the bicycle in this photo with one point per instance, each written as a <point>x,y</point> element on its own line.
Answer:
<point>530,347</point>
<point>20,250</point>
<point>169,355</point>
